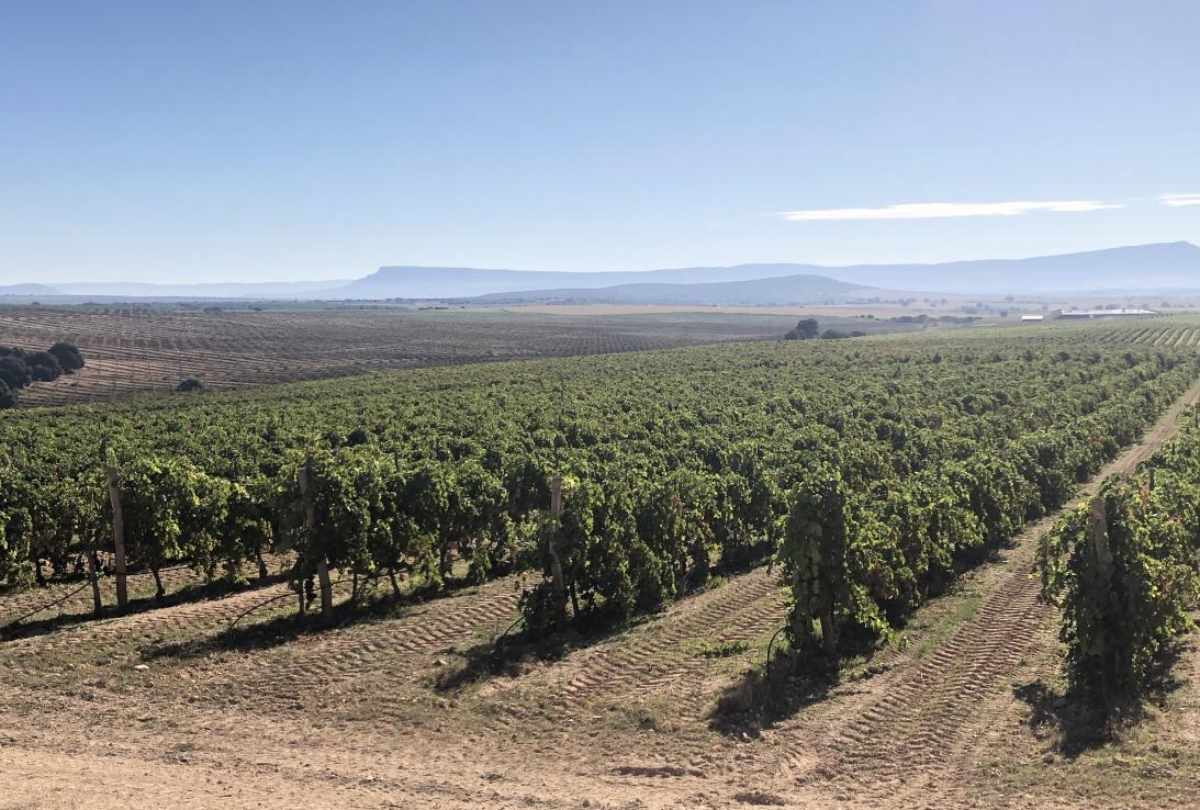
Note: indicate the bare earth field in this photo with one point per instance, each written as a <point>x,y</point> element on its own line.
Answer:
<point>169,707</point>
<point>134,349</point>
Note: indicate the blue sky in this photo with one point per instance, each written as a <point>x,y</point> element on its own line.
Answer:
<point>269,141</point>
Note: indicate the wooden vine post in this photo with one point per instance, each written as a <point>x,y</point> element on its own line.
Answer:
<point>1097,586</point>
<point>97,604</point>
<point>557,580</point>
<point>310,523</point>
<point>118,527</point>
<point>1102,560</point>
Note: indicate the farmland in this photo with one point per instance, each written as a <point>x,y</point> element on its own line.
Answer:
<point>943,458</point>
<point>151,348</point>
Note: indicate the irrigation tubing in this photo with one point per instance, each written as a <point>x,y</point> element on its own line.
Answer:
<point>500,638</point>
<point>771,650</point>
<point>35,611</point>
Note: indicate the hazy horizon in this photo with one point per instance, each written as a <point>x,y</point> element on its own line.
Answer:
<point>614,270</point>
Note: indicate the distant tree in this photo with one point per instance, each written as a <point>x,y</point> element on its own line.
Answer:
<point>833,334</point>
<point>44,367</point>
<point>14,372</point>
<point>8,397</point>
<point>69,356</point>
<point>806,329</point>
<point>189,385</point>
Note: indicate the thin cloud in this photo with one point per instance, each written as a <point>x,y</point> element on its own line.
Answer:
<point>943,210</point>
<point>1180,200</point>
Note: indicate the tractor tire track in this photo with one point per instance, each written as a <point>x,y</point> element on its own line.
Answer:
<point>141,585</point>
<point>914,726</point>
<point>135,632</point>
<point>394,647</point>
<point>656,658</point>
<point>628,663</point>
<point>687,680</point>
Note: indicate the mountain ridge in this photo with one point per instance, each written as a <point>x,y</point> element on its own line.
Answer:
<point>1162,265</point>
<point>782,290</point>
<point>1150,267</point>
<point>27,289</point>
<point>1158,265</point>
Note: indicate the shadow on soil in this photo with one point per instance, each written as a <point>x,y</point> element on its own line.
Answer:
<point>285,629</point>
<point>769,694</point>
<point>509,654</point>
<point>217,589</point>
<point>788,682</point>
<point>1082,723</point>
<point>777,690</point>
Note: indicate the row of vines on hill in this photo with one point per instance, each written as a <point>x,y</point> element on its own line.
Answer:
<point>874,469</point>
<point>1126,570</point>
<point>861,554</point>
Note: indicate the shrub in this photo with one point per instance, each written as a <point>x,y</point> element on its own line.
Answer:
<point>14,372</point>
<point>68,355</point>
<point>806,329</point>
<point>44,366</point>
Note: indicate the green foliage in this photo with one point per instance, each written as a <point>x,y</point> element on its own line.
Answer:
<point>20,368</point>
<point>44,366</point>
<point>876,470</point>
<point>1126,571</point>
<point>14,372</point>
<point>805,329</point>
<point>68,355</point>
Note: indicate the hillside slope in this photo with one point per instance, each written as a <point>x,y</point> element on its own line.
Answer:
<point>1174,265</point>
<point>798,289</point>
<point>465,282</point>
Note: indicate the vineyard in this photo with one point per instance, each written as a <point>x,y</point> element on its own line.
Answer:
<point>151,348</point>
<point>370,553</point>
<point>1126,568</point>
<point>1155,334</point>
